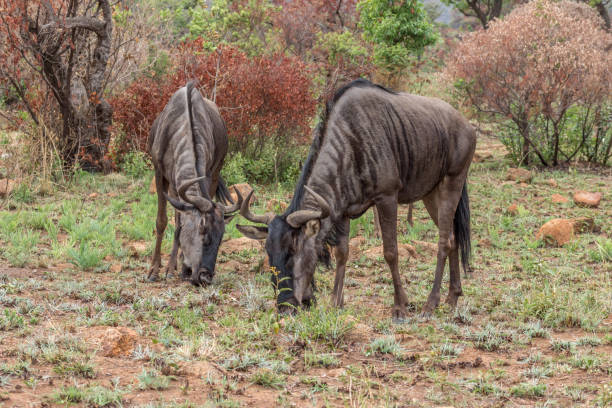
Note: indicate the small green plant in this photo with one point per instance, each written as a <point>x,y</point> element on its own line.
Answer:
<point>268,378</point>
<point>320,324</point>
<point>528,390</point>
<point>10,319</point>
<point>136,164</point>
<point>313,359</point>
<point>86,256</point>
<point>384,345</point>
<point>152,380</point>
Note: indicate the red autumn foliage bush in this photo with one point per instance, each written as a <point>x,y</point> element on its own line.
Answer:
<point>259,98</point>
<point>539,67</point>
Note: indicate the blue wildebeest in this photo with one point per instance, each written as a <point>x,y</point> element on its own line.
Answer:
<point>373,147</point>
<point>188,143</point>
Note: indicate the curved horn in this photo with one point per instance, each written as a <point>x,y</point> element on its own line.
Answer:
<point>323,205</point>
<point>299,218</point>
<point>202,204</point>
<point>246,212</point>
<point>179,205</point>
<point>231,208</point>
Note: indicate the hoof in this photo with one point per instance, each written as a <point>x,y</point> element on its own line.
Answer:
<point>153,275</point>
<point>451,300</point>
<point>399,314</point>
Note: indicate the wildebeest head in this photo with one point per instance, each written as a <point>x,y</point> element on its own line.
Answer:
<point>201,230</point>
<point>293,248</point>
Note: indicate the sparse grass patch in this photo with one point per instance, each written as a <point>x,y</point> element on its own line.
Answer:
<point>320,324</point>
<point>528,390</point>
<point>384,345</point>
<point>153,380</point>
<point>268,378</point>
<point>314,359</point>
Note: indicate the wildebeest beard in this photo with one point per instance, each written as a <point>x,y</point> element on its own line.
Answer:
<point>282,256</point>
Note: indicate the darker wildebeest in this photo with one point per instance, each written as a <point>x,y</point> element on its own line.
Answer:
<point>188,143</point>
<point>373,147</point>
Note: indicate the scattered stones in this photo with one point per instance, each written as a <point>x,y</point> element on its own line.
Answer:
<point>519,175</point>
<point>512,209</point>
<point>118,341</point>
<point>556,232</point>
<point>236,245</point>
<point>276,205</point>
<point>244,189</point>
<point>7,186</point>
<point>153,186</point>
<point>558,199</point>
<point>586,199</point>
<point>552,182</point>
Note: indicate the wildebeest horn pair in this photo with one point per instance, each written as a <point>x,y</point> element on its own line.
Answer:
<point>295,219</point>
<point>201,203</point>
<point>299,218</point>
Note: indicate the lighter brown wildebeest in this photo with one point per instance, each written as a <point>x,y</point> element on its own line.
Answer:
<point>373,147</point>
<point>188,143</point>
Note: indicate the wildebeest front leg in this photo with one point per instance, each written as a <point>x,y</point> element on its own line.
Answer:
<point>341,252</point>
<point>443,203</point>
<point>387,211</point>
<point>175,246</point>
<point>160,227</point>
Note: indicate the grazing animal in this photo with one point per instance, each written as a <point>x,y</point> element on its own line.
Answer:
<point>188,143</point>
<point>373,147</point>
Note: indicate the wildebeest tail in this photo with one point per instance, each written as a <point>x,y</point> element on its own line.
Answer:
<point>461,225</point>
<point>223,195</point>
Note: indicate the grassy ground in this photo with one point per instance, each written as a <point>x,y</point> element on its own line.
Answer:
<point>534,327</point>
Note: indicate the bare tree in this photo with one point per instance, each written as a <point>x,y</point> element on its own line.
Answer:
<point>65,44</point>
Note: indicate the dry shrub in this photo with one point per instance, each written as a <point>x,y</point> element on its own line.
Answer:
<point>260,98</point>
<point>542,69</point>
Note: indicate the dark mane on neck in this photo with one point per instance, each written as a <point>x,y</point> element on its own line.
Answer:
<point>319,133</point>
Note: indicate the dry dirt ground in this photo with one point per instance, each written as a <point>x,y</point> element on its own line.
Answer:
<point>79,325</point>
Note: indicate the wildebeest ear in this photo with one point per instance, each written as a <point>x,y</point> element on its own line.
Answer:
<point>312,228</point>
<point>228,218</point>
<point>253,231</point>
<point>179,205</point>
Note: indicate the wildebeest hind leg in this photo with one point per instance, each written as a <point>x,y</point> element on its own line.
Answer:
<point>160,227</point>
<point>341,252</point>
<point>175,246</point>
<point>387,210</point>
<point>443,203</point>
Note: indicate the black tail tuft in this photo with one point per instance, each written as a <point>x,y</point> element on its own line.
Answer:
<point>461,225</point>
<point>222,193</point>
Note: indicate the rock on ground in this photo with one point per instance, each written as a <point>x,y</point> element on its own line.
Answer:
<point>556,232</point>
<point>519,175</point>
<point>512,209</point>
<point>113,341</point>
<point>586,199</point>
<point>559,199</point>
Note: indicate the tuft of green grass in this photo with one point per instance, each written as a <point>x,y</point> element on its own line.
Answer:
<point>528,390</point>
<point>76,368</point>
<point>21,246</point>
<point>313,359</point>
<point>152,380</point>
<point>86,256</point>
<point>325,325</point>
<point>384,345</point>
<point>268,378</point>
<point>10,319</point>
